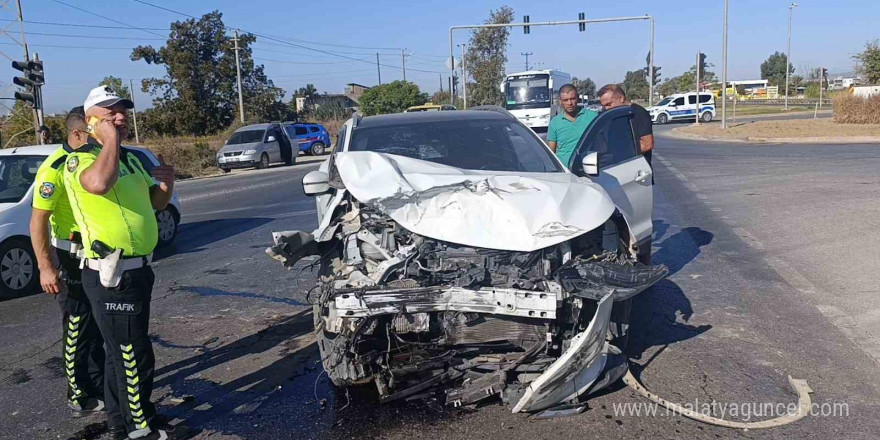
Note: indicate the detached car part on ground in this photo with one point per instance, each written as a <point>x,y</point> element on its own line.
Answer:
<point>459,277</point>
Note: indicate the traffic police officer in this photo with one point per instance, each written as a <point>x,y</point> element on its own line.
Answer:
<point>83,348</point>
<point>113,199</point>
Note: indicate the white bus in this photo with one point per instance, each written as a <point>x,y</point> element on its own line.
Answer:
<point>533,96</point>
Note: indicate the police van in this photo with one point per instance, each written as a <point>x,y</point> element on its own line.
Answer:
<point>683,106</point>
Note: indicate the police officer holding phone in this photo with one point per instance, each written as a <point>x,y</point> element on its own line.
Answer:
<point>82,349</point>
<point>113,199</point>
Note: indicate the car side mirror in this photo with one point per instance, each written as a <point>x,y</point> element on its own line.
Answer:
<point>591,164</point>
<point>270,139</point>
<point>316,183</point>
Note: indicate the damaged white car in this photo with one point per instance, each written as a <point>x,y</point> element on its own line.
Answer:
<point>459,260</point>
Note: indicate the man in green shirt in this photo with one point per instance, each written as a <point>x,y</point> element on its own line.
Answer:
<point>567,127</point>
<point>83,348</point>
<point>113,199</point>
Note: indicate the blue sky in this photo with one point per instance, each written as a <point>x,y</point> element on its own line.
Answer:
<point>824,33</point>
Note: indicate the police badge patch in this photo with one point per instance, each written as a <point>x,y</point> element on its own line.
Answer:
<point>72,163</point>
<point>46,190</point>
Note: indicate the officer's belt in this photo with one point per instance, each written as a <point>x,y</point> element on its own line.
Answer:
<point>64,245</point>
<point>127,263</point>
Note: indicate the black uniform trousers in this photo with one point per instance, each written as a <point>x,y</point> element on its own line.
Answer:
<point>83,348</point>
<point>123,315</point>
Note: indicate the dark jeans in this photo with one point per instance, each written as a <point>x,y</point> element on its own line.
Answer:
<point>83,348</point>
<point>123,315</point>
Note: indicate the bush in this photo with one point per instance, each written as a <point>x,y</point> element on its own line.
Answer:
<point>849,109</point>
<point>190,157</point>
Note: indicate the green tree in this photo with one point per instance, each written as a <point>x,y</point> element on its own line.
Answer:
<point>198,95</point>
<point>308,92</point>
<point>584,86</point>
<point>18,129</point>
<point>117,86</point>
<point>869,62</point>
<point>635,84</point>
<point>440,97</point>
<point>392,97</point>
<point>773,69</point>
<point>486,58</point>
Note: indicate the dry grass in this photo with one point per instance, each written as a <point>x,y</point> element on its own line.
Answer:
<point>196,156</point>
<point>797,128</point>
<point>849,109</point>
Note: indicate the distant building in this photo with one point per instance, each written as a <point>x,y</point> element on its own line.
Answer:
<point>350,100</point>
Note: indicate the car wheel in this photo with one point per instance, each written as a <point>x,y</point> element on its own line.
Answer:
<point>662,119</point>
<point>168,221</point>
<point>18,268</point>
<point>317,149</point>
<point>264,162</point>
<point>226,170</point>
<point>707,117</point>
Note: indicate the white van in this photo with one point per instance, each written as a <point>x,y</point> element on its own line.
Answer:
<point>683,106</point>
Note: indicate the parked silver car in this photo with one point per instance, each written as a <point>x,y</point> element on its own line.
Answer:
<point>257,145</point>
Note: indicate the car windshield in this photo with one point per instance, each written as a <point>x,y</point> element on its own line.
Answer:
<point>664,101</point>
<point>16,176</point>
<point>245,137</point>
<point>528,91</point>
<point>472,144</point>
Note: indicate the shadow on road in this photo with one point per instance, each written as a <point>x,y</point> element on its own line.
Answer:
<point>660,314</point>
<point>288,398</point>
<point>193,237</point>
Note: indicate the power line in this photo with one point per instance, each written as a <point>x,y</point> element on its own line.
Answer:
<point>96,26</point>
<point>106,18</point>
<point>70,47</point>
<point>103,37</point>
<point>269,37</point>
<point>295,62</point>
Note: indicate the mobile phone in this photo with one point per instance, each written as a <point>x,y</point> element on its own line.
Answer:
<point>92,124</point>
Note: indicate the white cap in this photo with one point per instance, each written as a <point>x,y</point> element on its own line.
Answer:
<point>103,96</point>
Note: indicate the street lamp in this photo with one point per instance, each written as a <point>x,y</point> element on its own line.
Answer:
<point>788,54</point>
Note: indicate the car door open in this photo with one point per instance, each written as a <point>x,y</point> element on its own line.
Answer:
<point>623,171</point>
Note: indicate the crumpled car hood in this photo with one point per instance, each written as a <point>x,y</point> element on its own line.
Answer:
<point>487,209</point>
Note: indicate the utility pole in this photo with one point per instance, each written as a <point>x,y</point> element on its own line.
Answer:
<point>526,54</point>
<point>463,76</point>
<point>441,82</point>
<point>697,100</point>
<point>724,72</point>
<point>788,54</point>
<point>238,73</point>
<point>378,69</point>
<point>134,119</point>
<point>403,62</point>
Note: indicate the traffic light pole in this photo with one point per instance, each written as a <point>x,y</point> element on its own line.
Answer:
<point>560,23</point>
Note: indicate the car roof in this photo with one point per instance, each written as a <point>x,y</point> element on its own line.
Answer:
<point>34,150</point>
<point>254,127</point>
<point>403,118</point>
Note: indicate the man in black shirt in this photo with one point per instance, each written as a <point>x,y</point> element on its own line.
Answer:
<point>612,96</point>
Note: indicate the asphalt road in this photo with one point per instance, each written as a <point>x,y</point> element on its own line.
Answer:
<point>770,251</point>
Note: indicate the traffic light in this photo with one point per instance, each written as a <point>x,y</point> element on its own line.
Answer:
<point>454,85</point>
<point>526,29</point>
<point>32,78</point>
<point>582,26</point>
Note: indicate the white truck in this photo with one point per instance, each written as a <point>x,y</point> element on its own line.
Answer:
<point>533,96</point>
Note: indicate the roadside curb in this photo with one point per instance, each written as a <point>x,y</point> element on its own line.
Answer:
<point>308,160</point>
<point>676,133</point>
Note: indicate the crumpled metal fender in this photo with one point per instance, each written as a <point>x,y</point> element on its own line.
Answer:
<point>576,370</point>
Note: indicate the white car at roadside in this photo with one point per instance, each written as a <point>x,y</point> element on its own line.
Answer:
<point>456,251</point>
<point>18,168</point>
